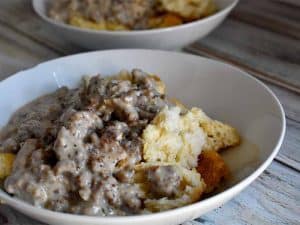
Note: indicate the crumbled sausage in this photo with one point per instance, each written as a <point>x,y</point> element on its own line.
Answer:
<point>164,180</point>
<point>77,149</point>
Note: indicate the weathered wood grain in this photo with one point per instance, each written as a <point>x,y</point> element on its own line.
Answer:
<point>267,55</point>
<point>291,3</point>
<point>9,216</point>
<point>23,19</point>
<point>277,16</point>
<point>289,100</point>
<point>289,153</point>
<point>272,199</point>
<point>18,52</point>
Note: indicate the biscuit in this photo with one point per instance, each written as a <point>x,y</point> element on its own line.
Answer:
<point>189,9</point>
<point>219,135</point>
<point>173,138</point>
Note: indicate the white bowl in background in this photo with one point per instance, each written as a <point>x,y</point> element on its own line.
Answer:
<point>224,92</point>
<point>166,38</point>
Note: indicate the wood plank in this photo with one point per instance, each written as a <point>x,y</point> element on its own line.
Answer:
<point>268,56</point>
<point>291,3</point>
<point>289,153</point>
<point>289,100</point>
<point>9,216</point>
<point>277,16</point>
<point>23,19</point>
<point>18,52</point>
<point>272,199</point>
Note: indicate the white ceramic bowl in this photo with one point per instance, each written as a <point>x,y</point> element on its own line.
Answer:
<point>223,91</point>
<point>166,38</point>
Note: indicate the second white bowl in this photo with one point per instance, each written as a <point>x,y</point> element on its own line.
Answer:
<point>166,38</point>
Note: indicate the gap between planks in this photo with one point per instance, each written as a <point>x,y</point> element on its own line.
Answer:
<point>287,162</point>
<point>270,15</point>
<point>34,39</point>
<point>200,50</point>
<point>266,23</point>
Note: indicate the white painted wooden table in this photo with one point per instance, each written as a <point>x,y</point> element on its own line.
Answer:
<point>260,36</point>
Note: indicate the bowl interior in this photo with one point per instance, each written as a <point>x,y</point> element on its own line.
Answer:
<point>220,90</point>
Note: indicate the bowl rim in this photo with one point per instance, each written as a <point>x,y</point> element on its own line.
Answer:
<point>236,188</point>
<point>200,21</point>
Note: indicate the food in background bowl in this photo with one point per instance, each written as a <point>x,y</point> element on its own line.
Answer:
<point>129,15</point>
<point>113,146</point>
